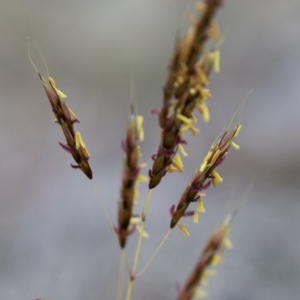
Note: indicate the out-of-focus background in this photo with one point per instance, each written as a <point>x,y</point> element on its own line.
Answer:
<point>54,240</point>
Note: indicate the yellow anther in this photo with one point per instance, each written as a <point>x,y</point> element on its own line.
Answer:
<point>216,156</point>
<point>207,273</point>
<point>237,131</point>
<point>202,76</point>
<point>210,272</point>
<point>145,234</point>
<point>217,61</point>
<point>200,294</point>
<point>78,139</point>
<point>184,128</point>
<point>53,84</point>
<point>205,93</point>
<point>142,178</point>
<point>216,178</point>
<point>235,146</point>
<point>73,116</point>
<point>194,130</point>
<point>203,110</point>
<point>177,162</point>
<point>182,151</point>
<point>179,81</point>
<point>200,207</point>
<point>228,244</point>
<point>171,169</point>
<point>203,166</point>
<point>217,259</point>
<point>194,119</point>
<point>184,119</point>
<point>183,230</point>
<point>135,220</point>
<point>143,165</point>
<point>79,143</point>
<point>196,217</point>
<point>202,195</point>
<point>193,91</point>
<point>140,128</point>
<point>208,156</point>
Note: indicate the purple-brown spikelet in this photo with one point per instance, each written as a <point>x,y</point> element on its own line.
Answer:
<point>206,174</point>
<point>210,257</point>
<point>185,90</point>
<point>65,117</point>
<point>130,175</point>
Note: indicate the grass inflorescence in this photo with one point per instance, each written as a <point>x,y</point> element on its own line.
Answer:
<point>185,91</point>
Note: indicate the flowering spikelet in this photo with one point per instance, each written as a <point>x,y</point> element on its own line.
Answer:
<point>65,117</point>
<point>205,174</point>
<point>130,176</point>
<point>185,90</point>
<point>210,257</point>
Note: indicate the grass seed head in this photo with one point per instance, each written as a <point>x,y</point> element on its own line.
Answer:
<point>206,173</point>
<point>185,90</point>
<point>210,256</point>
<point>130,175</point>
<point>65,117</point>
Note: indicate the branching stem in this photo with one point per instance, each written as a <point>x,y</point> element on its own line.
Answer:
<point>138,249</point>
<point>154,254</point>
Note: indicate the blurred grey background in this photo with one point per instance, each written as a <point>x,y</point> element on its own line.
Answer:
<point>54,240</point>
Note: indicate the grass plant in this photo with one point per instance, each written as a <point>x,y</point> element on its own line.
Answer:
<point>186,90</point>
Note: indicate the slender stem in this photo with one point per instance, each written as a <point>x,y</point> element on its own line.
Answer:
<point>129,290</point>
<point>109,222</point>
<point>154,254</point>
<point>146,204</point>
<point>138,249</point>
<point>104,209</point>
<point>135,262</point>
<point>139,245</point>
<point>121,276</point>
